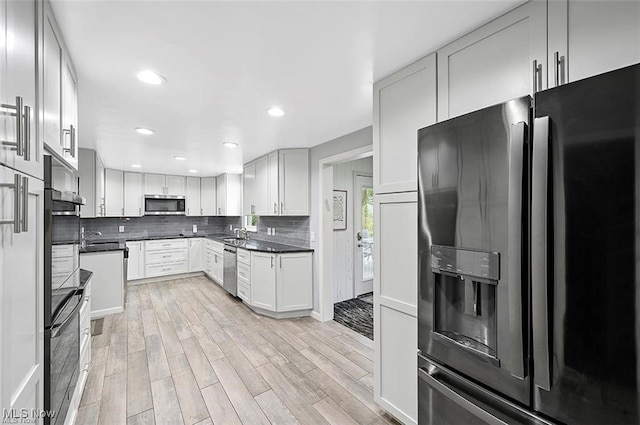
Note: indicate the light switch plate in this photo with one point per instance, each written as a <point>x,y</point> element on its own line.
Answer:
<point>268,231</point>
<point>231,227</point>
<point>195,228</point>
<point>121,229</point>
<point>313,236</point>
<point>273,231</point>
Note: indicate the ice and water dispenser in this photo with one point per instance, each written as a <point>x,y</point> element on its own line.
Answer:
<point>465,299</point>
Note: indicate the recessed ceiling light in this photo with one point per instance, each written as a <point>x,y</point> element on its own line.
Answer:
<point>151,77</point>
<point>230,145</point>
<point>136,165</point>
<point>179,158</point>
<point>275,111</point>
<point>145,131</point>
<point>193,171</point>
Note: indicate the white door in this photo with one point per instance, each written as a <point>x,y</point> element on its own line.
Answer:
<point>263,280</point>
<point>221,192</point>
<point>52,84</point>
<point>135,265</point>
<point>69,136</point>
<point>21,301</point>
<point>293,169</point>
<point>196,255</point>
<point>363,226</point>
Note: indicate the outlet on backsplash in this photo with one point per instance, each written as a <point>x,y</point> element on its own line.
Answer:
<point>121,229</point>
<point>268,231</point>
<point>195,228</point>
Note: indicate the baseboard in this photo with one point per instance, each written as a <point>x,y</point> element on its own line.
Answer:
<point>106,312</point>
<point>163,278</point>
<point>316,316</point>
<point>395,412</point>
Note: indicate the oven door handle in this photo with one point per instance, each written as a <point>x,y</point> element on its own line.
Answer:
<point>56,329</point>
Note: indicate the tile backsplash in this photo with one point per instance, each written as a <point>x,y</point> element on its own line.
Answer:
<point>289,230</point>
<point>155,226</point>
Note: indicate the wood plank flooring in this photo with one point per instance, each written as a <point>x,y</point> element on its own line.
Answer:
<point>184,352</point>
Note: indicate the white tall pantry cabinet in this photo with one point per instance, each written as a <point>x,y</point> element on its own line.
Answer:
<point>21,235</point>
<point>403,103</point>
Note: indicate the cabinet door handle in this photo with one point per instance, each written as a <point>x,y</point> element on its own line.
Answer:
<point>280,262</point>
<point>123,211</point>
<point>281,207</point>
<point>27,133</point>
<point>201,213</point>
<point>72,141</point>
<point>275,208</point>
<point>271,261</point>
<point>559,68</point>
<point>16,186</point>
<point>139,211</point>
<point>25,204</point>
<point>19,147</point>
<point>537,76</point>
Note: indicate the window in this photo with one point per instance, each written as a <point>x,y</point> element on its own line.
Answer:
<point>251,223</point>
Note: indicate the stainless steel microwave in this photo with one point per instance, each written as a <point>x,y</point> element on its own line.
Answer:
<point>164,205</point>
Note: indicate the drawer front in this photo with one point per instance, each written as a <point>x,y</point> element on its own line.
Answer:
<point>166,269</point>
<point>244,256</point>
<point>163,257</point>
<point>244,273</point>
<point>165,244</point>
<point>58,251</point>
<point>244,292</point>
<point>61,266</point>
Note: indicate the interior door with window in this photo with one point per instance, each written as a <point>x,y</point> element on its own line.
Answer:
<point>363,225</point>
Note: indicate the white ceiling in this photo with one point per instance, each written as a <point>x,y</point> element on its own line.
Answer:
<point>226,62</point>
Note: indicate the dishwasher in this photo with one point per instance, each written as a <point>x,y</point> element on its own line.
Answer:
<point>230,280</point>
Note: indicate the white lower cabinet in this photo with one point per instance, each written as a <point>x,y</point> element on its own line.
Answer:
<point>166,257</point>
<point>395,305</point>
<point>196,255</point>
<point>214,260</point>
<point>281,282</point>
<point>244,275</point>
<point>85,355</point>
<point>108,285</point>
<point>135,265</point>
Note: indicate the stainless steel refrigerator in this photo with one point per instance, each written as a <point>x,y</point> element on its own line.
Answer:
<point>528,295</point>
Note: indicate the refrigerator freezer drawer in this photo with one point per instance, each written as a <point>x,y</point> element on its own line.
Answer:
<point>444,397</point>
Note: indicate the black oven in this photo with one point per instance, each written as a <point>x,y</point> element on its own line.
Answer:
<point>164,205</point>
<point>62,290</point>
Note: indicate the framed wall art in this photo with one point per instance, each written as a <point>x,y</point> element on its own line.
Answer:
<point>339,210</point>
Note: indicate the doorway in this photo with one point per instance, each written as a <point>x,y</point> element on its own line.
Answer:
<point>353,238</point>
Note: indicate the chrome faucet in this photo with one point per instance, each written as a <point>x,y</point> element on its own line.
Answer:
<point>242,231</point>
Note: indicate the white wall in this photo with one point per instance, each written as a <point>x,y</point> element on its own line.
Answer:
<point>348,142</point>
<point>343,240</point>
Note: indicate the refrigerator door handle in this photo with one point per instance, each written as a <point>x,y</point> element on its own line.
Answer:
<point>514,268</point>
<point>464,403</point>
<point>539,297</point>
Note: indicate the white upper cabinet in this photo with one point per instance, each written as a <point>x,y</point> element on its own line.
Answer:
<point>21,149</point>
<point>193,196</point>
<point>502,60</point>
<point>249,187</point>
<point>403,103</point>
<point>587,38</point>
<point>59,93</point>
<point>114,193</point>
<point>133,194</point>
<point>154,184</point>
<point>274,198</point>
<point>208,196</point>
<point>229,194</point>
<point>69,112</point>
<point>176,185</point>
<point>293,187</point>
<point>91,173</point>
<point>158,184</point>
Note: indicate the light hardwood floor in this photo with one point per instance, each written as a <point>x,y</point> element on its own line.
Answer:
<point>185,352</point>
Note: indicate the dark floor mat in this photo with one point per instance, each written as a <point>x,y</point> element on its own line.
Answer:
<point>96,326</point>
<point>355,314</point>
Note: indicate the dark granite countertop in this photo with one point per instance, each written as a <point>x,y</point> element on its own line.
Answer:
<point>262,246</point>
<point>105,246</point>
<point>248,244</point>
<point>85,275</point>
